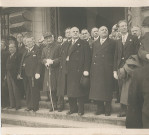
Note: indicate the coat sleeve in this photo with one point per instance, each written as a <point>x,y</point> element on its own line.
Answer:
<point>115,68</point>
<point>57,56</point>
<point>87,57</point>
<point>142,53</point>
<point>38,69</point>
<point>43,60</point>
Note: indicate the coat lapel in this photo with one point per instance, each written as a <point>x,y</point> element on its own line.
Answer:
<point>74,47</point>
<point>97,46</point>
<point>128,41</point>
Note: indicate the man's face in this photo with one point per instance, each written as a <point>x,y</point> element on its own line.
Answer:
<point>123,27</point>
<point>19,38</point>
<point>24,41</point>
<point>49,40</point>
<point>3,46</point>
<point>60,39</point>
<point>29,42</point>
<point>74,32</point>
<point>12,48</point>
<point>103,32</point>
<point>136,31</point>
<point>85,34</point>
<point>68,33</point>
<point>94,33</point>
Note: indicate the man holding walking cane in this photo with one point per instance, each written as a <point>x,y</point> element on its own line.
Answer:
<point>50,58</point>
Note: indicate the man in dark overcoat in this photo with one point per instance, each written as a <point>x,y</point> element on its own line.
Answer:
<point>31,64</point>
<point>101,75</point>
<point>76,59</point>
<point>21,50</point>
<point>4,89</point>
<point>12,67</point>
<point>138,99</point>
<point>51,54</point>
<point>125,47</point>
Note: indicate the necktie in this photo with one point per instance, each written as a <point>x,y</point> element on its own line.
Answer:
<point>101,41</point>
<point>123,40</point>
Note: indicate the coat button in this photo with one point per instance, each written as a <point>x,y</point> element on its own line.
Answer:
<point>95,56</point>
<point>94,63</point>
<point>102,55</point>
<point>61,66</point>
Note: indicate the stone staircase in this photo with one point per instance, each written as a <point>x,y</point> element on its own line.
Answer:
<point>43,118</point>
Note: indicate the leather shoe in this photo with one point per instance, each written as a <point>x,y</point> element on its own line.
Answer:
<point>27,109</point>
<point>122,114</point>
<point>107,114</point>
<point>35,110</point>
<point>17,108</point>
<point>99,113</point>
<point>51,109</point>
<point>60,109</point>
<point>71,112</point>
<point>80,114</point>
<point>10,107</point>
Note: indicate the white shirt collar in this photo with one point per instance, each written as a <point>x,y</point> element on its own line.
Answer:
<point>30,49</point>
<point>125,36</point>
<point>96,38</point>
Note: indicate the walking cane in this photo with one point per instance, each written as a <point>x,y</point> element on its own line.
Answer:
<point>49,84</point>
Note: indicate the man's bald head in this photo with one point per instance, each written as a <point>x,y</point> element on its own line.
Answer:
<point>74,32</point>
<point>103,32</point>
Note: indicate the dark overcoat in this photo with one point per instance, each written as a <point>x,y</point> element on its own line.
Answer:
<point>138,97</point>
<point>51,52</point>
<point>123,52</point>
<point>102,81</point>
<point>12,66</point>
<point>79,59</point>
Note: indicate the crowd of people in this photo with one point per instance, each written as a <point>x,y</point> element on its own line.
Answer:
<point>82,66</point>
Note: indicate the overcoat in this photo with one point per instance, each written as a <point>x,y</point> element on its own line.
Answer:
<point>138,97</point>
<point>78,60</point>
<point>51,52</point>
<point>123,52</point>
<point>101,79</point>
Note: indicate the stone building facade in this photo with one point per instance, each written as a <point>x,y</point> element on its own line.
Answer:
<point>37,20</point>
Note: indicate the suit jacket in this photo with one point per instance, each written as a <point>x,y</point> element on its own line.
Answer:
<point>12,66</point>
<point>31,62</point>
<point>78,60</point>
<point>102,70</point>
<point>144,49</point>
<point>123,52</point>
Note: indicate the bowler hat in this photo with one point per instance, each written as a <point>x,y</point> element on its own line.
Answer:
<point>47,34</point>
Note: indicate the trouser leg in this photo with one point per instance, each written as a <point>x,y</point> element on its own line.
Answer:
<point>100,107</point>
<point>60,103</point>
<point>10,90</point>
<point>81,101</point>
<point>108,107</point>
<point>73,104</point>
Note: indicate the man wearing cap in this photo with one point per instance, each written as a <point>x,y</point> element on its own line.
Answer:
<point>30,71</point>
<point>125,47</point>
<point>50,59</point>
<point>75,63</point>
<point>86,36</point>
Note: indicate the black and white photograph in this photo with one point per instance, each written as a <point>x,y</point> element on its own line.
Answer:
<point>75,67</point>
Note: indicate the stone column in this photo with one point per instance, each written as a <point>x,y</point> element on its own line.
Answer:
<point>40,21</point>
<point>136,16</point>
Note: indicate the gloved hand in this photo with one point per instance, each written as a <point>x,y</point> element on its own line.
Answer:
<point>49,61</point>
<point>115,75</point>
<point>86,73</point>
<point>37,76</point>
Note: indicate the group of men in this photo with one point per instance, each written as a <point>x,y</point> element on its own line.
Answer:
<point>81,68</point>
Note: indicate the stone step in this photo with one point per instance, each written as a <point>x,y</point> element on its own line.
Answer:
<point>89,107</point>
<point>87,117</point>
<point>43,122</point>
